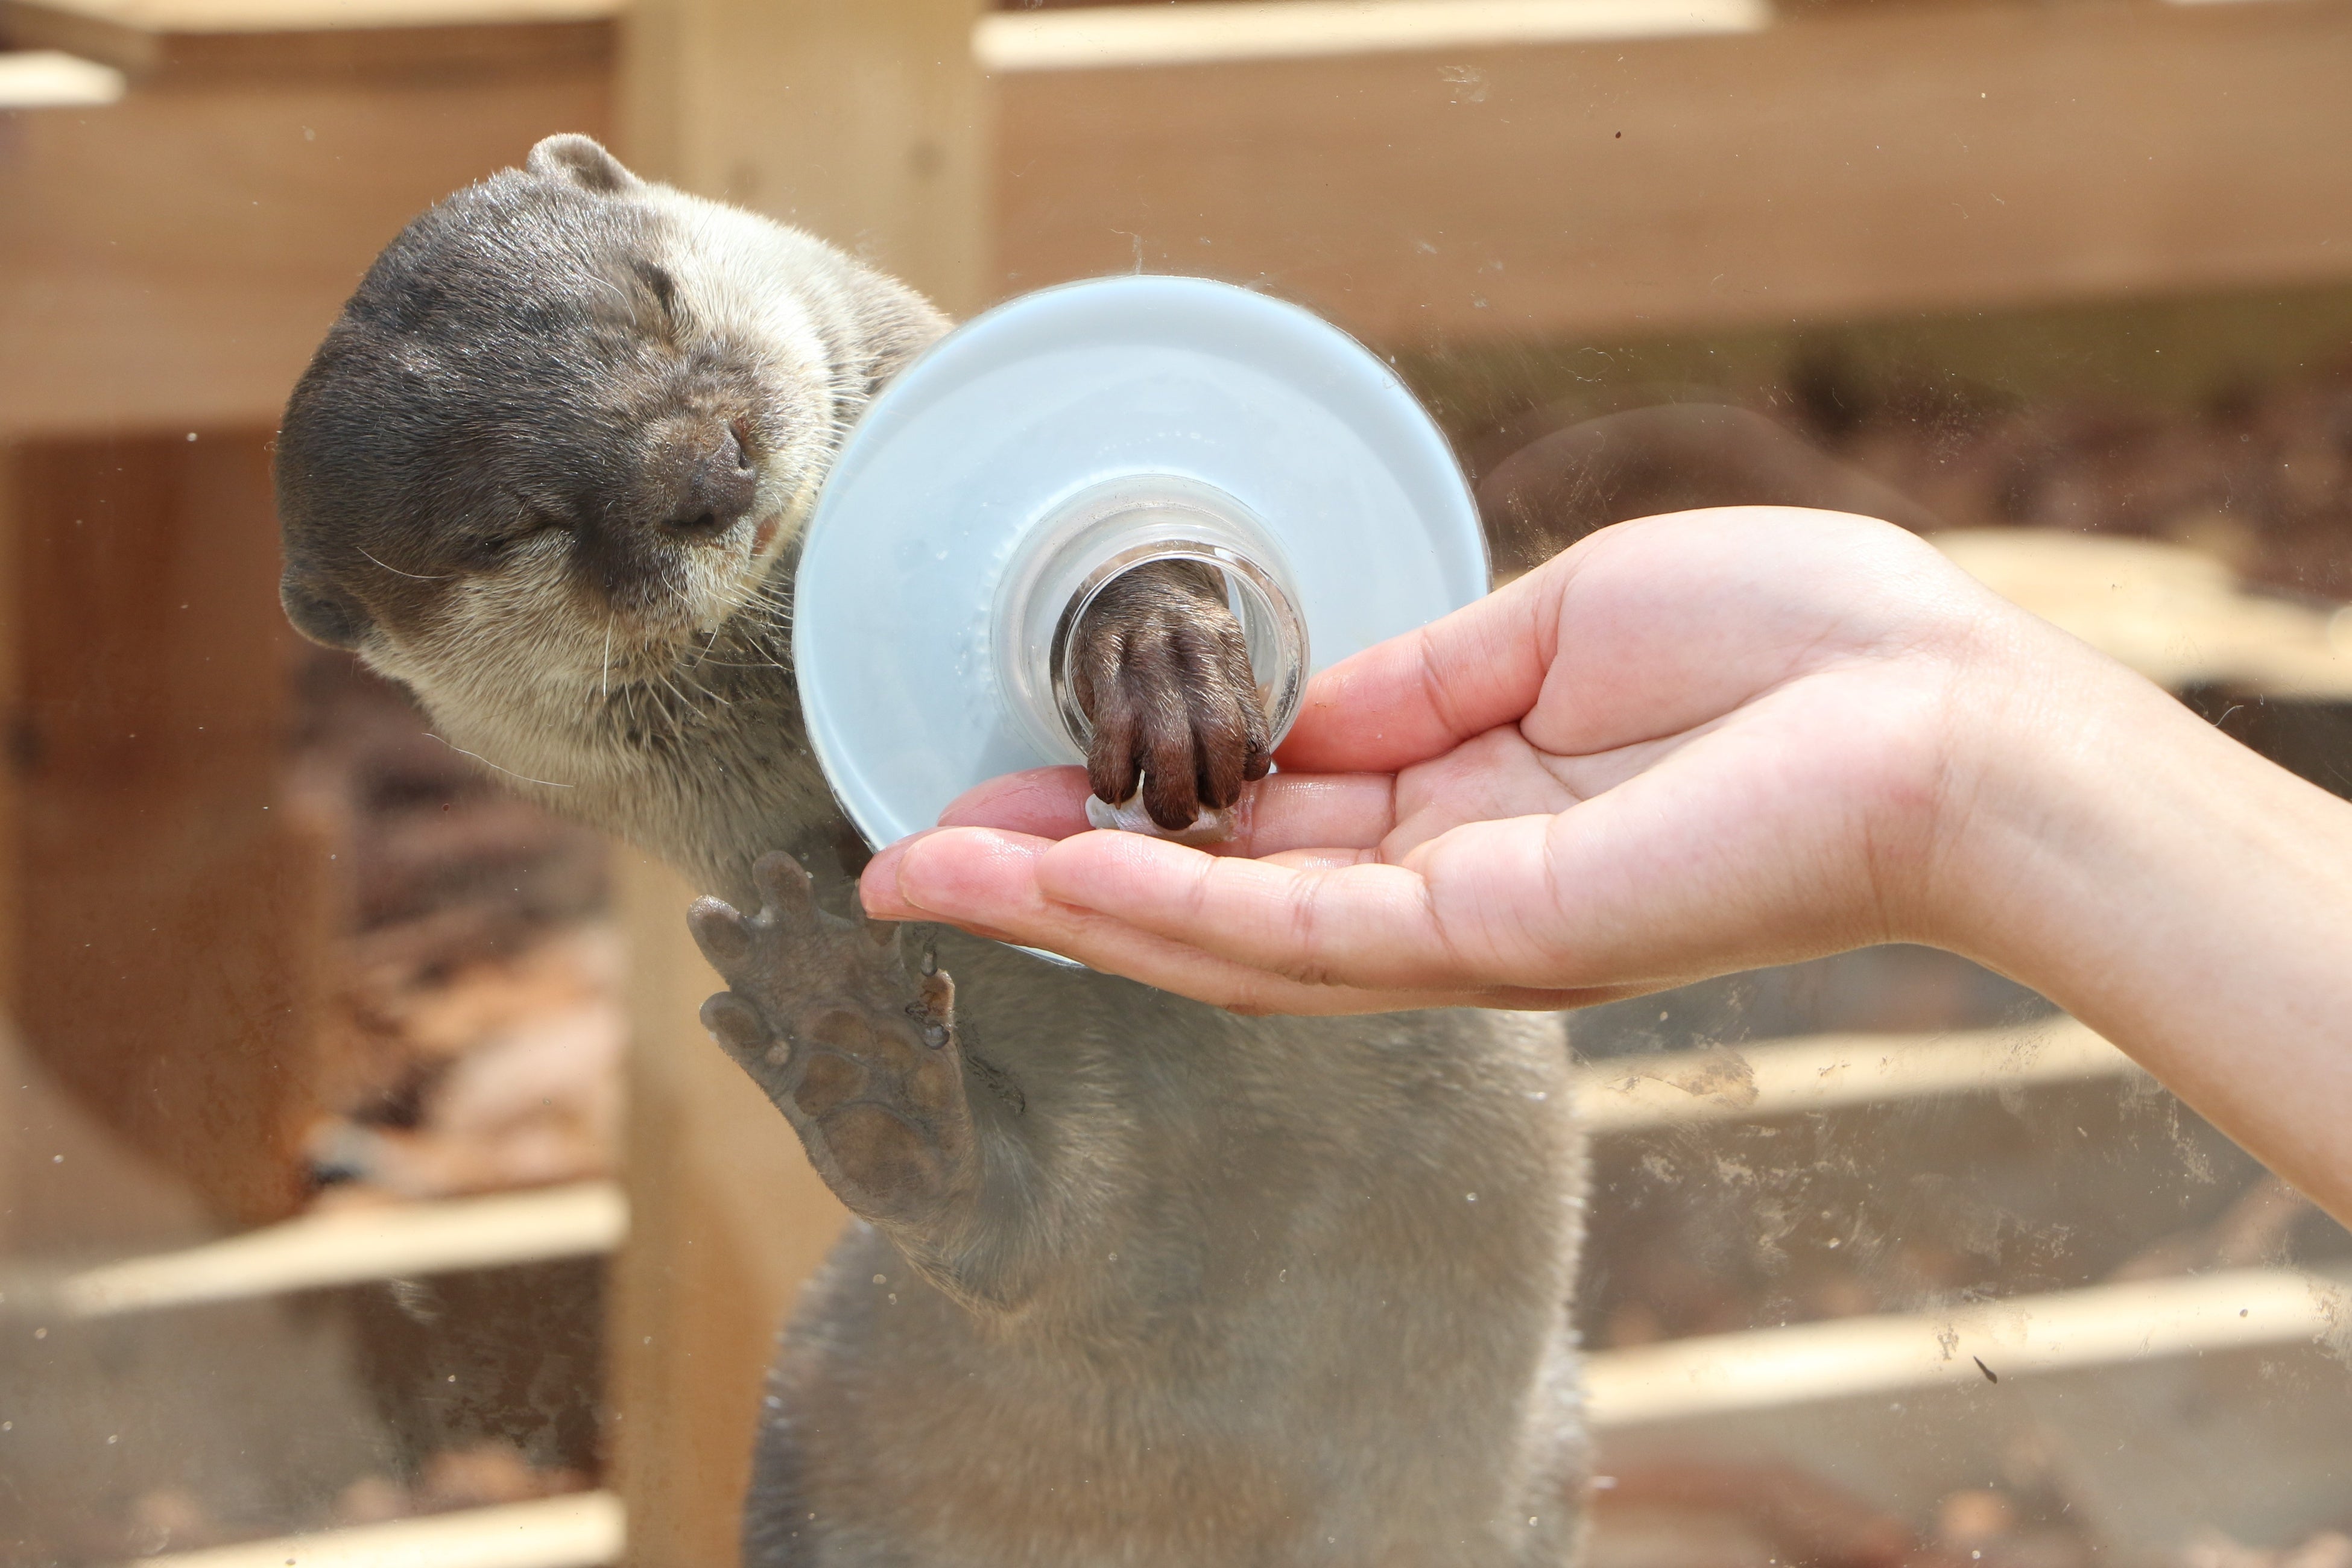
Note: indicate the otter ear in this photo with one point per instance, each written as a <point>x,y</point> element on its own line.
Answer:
<point>321,614</point>
<point>584,162</point>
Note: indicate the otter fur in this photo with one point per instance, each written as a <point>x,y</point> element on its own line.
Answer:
<point>1134,1279</point>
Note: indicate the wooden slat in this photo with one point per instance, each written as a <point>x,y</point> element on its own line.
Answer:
<point>2178,617</point>
<point>583,1530</point>
<point>172,259</point>
<point>1094,38</point>
<point>868,123</point>
<point>245,39</point>
<point>728,1219</point>
<point>1823,1072</point>
<point>1858,160</point>
<point>1765,1369</point>
<point>350,1245</point>
<point>13,633</point>
<point>51,78</point>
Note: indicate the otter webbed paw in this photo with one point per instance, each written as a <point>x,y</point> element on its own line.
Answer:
<point>865,1064</point>
<point>1161,668</point>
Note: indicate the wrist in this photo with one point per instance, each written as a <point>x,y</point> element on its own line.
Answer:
<point>2046,798</point>
<point>2105,846</point>
<point>2188,900</point>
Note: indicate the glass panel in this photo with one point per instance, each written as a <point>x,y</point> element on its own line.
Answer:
<point>366,1165</point>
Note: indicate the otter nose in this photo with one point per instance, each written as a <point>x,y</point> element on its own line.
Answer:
<point>715,488</point>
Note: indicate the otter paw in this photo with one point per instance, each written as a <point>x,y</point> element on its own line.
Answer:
<point>1162,672</point>
<point>863,1061</point>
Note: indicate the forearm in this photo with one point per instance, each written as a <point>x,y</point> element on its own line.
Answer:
<point>2175,892</point>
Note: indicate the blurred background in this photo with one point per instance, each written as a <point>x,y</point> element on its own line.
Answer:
<point>364,1177</point>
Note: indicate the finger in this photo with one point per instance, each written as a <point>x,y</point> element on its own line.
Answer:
<point>962,874</point>
<point>1044,803</point>
<point>1312,811</point>
<point>1418,695</point>
<point>1285,812</point>
<point>1368,926</point>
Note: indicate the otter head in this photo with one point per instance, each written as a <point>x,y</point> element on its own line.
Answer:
<point>566,427</point>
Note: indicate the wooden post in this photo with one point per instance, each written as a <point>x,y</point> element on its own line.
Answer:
<point>866,124</point>
<point>869,124</point>
<point>726,1219</point>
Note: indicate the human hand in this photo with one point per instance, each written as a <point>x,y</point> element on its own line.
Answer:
<point>1690,744</point>
<point>1715,740</point>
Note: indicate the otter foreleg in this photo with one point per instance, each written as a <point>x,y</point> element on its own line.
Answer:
<point>861,1058</point>
<point>1161,669</point>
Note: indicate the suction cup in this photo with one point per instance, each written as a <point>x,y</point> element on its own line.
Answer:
<point>1045,446</point>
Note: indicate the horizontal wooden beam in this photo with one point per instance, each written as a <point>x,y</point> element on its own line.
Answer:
<point>1823,1072</point>
<point>181,39</point>
<point>51,78</point>
<point>581,1529</point>
<point>2178,616</point>
<point>350,1246</point>
<point>172,260</point>
<point>1096,37</point>
<point>1850,161</point>
<point>1764,1369</point>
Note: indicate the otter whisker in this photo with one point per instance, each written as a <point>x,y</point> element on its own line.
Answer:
<point>413,576</point>
<point>494,768</point>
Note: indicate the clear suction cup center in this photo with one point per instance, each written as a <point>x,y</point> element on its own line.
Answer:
<point>1091,541</point>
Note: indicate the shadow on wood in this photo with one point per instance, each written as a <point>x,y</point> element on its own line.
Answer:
<point>170,902</point>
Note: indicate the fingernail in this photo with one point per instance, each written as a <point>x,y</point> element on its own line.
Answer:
<point>878,886</point>
<point>972,872</point>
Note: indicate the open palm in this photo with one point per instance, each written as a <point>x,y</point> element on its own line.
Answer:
<point>1689,745</point>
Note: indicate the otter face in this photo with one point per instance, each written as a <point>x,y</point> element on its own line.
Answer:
<point>564,429</point>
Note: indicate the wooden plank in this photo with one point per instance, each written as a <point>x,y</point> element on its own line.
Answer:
<point>2178,617</point>
<point>173,259</point>
<point>349,1246</point>
<point>172,903</point>
<point>184,39</point>
<point>1854,162</point>
<point>2102,1325</point>
<point>14,738</point>
<point>1091,38</point>
<point>869,124</point>
<point>1823,1072</point>
<point>51,78</point>
<point>582,1529</point>
<point>728,1218</point>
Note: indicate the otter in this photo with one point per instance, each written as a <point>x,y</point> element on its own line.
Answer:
<point>1131,1278</point>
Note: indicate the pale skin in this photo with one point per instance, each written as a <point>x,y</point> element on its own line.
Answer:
<point>1704,742</point>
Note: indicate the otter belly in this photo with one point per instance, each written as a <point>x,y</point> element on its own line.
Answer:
<point>1324,1326</point>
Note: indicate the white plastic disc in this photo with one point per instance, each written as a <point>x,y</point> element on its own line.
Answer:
<point>945,487</point>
